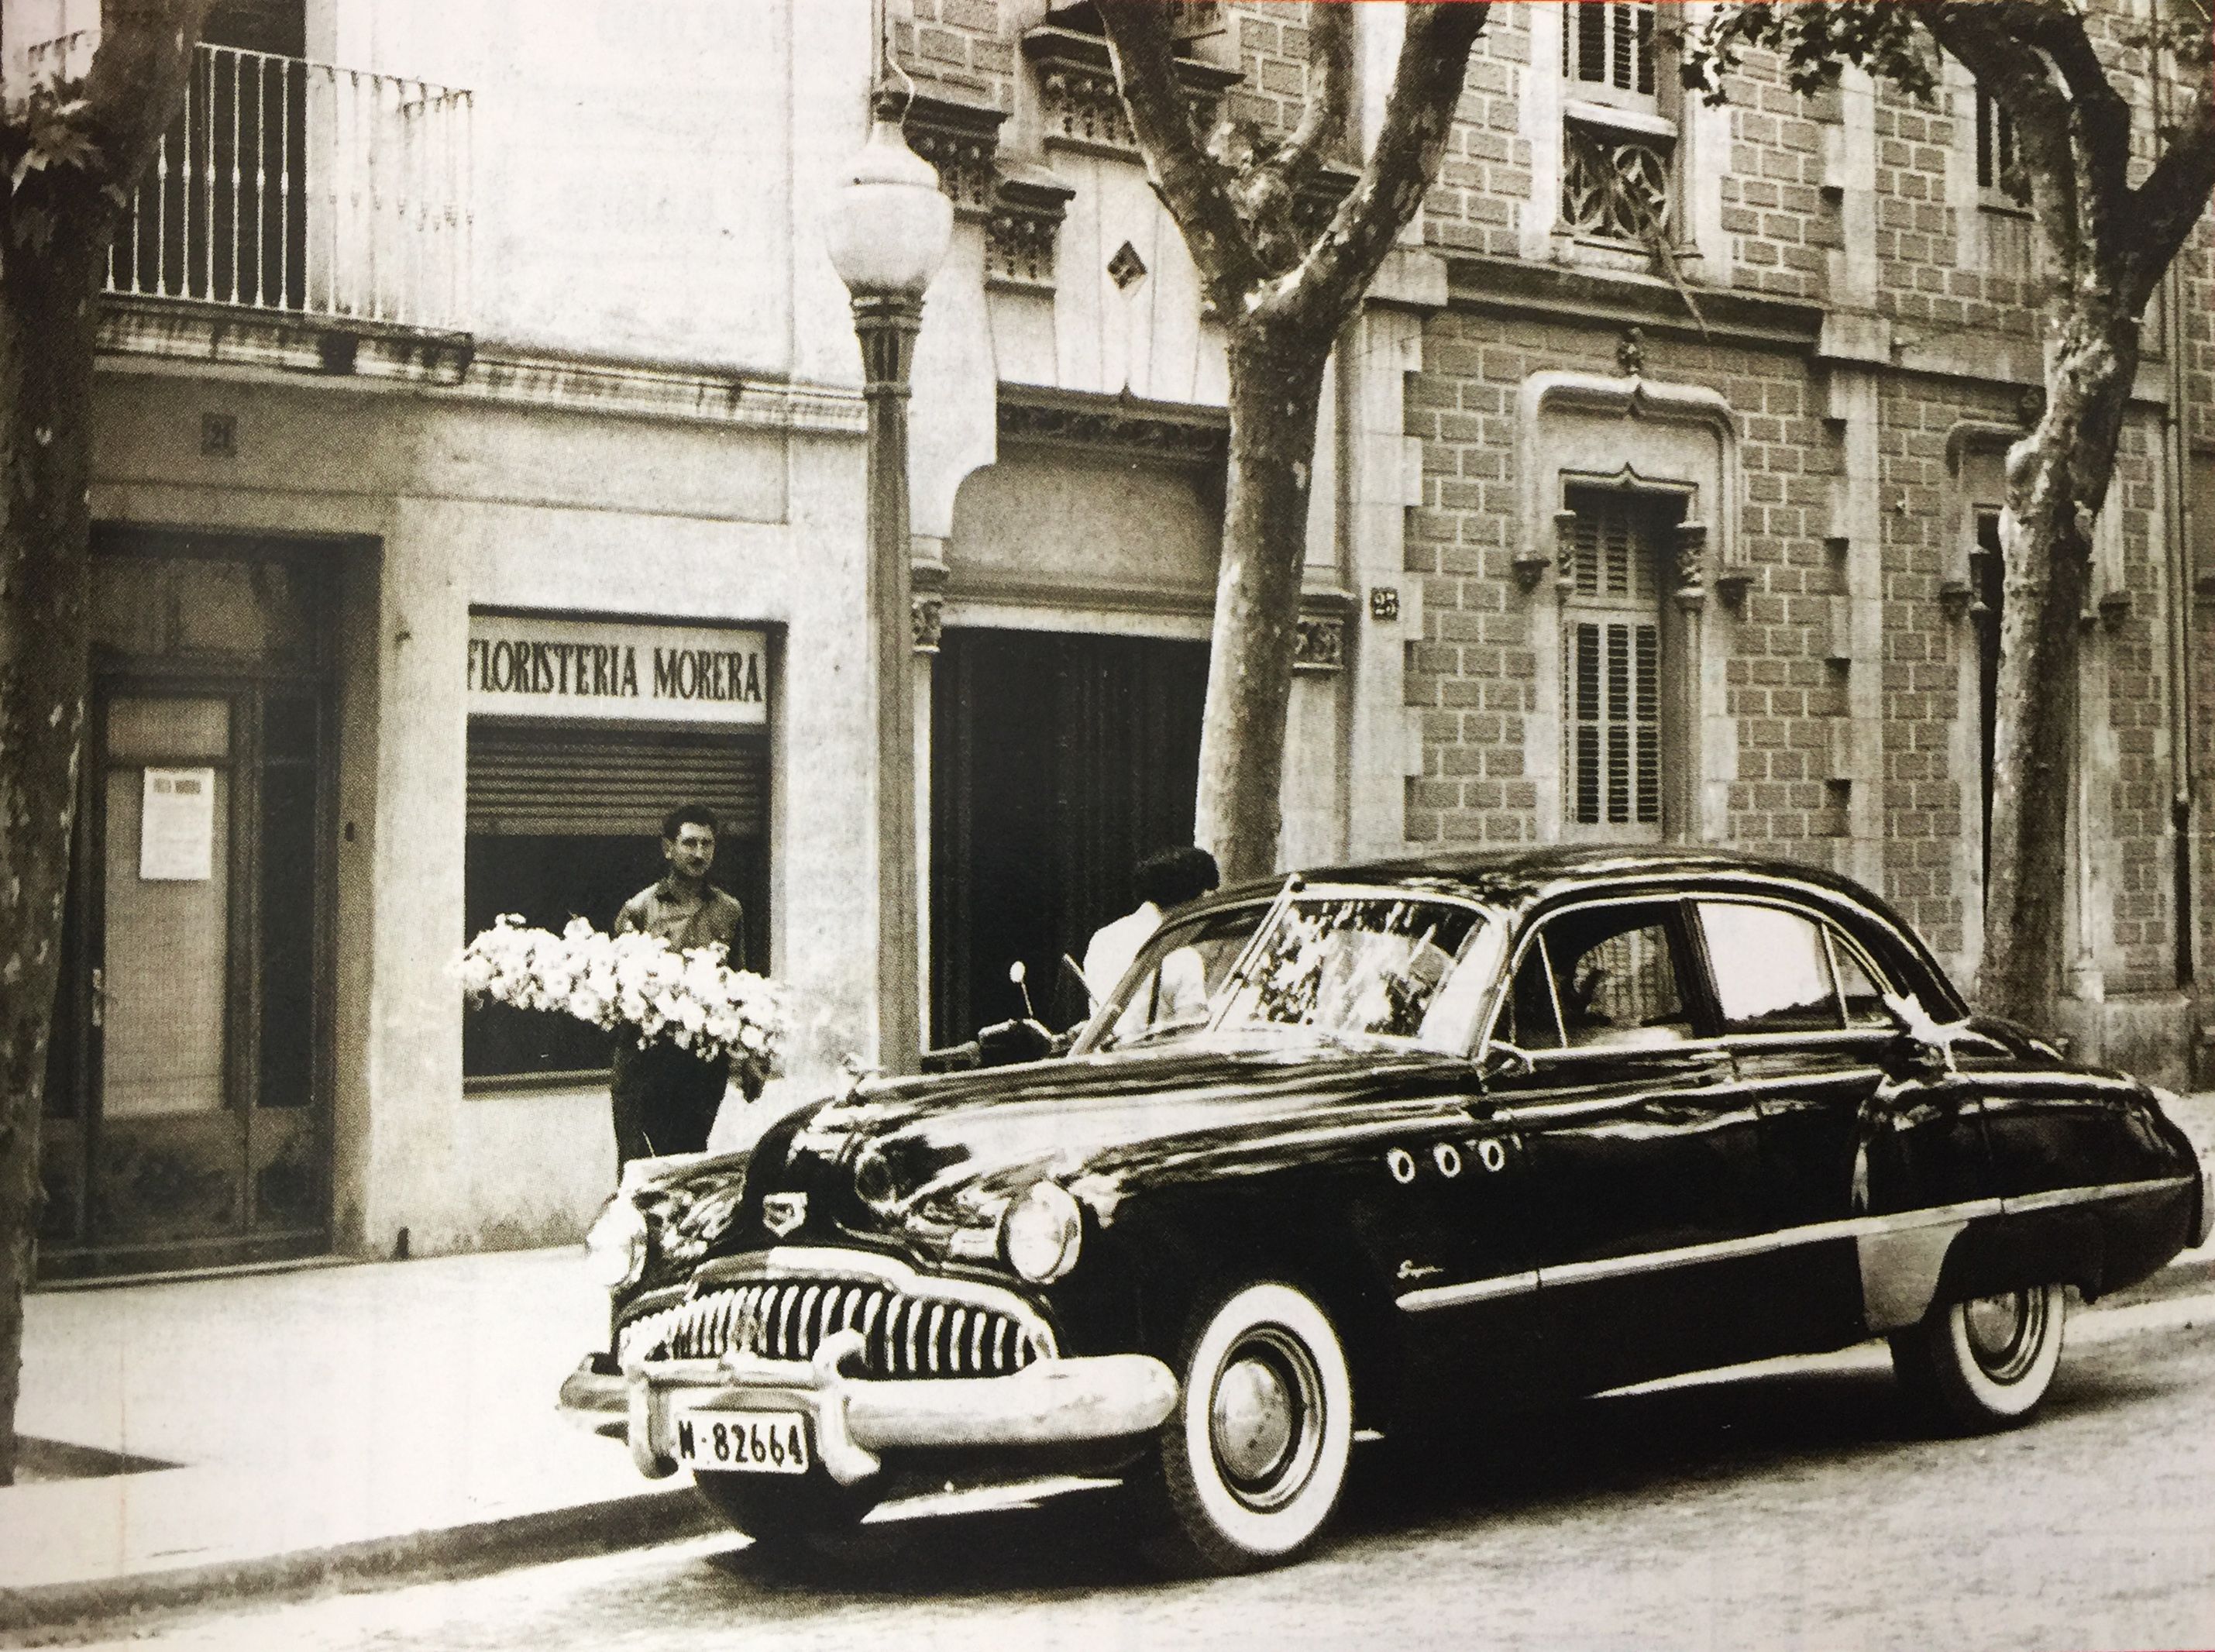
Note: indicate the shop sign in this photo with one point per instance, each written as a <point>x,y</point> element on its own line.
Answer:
<point>527,666</point>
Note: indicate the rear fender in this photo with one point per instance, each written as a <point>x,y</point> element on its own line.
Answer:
<point>2041,1248</point>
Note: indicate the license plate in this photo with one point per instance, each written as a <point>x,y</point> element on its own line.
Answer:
<point>752,1442</point>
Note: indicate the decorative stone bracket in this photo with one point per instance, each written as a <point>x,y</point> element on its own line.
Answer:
<point>1691,547</point>
<point>1082,107</point>
<point>1321,645</point>
<point>962,140</point>
<point>927,603</point>
<point>1020,206</point>
<point>1025,221</point>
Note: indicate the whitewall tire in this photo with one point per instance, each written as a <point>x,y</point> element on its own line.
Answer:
<point>1254,1458</point>
<point>1985,1363</point>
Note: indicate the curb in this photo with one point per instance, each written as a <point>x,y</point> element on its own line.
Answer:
<point>473,1550</point>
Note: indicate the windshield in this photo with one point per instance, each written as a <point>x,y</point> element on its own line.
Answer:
<point>1332,963</point>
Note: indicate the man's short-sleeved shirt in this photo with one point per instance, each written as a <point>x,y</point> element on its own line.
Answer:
<point>684,924</point>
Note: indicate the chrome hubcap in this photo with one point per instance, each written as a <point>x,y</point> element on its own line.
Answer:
<point>2005,1332</point>
<point>1265,1418</point>
<point>1252,1420</point>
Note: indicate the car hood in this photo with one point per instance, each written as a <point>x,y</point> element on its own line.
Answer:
<point>923,1156</point>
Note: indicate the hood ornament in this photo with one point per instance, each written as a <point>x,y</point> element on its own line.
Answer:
<point>783,1212</point>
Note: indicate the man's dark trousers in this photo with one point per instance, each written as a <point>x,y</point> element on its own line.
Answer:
<point>665,1099</point>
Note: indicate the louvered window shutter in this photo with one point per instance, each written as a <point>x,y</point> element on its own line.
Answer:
<point>569,783</point>
<point>1609,43</point>
<point>1612,661</point>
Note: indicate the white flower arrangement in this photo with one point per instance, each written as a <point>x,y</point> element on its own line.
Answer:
<point>636,983</point>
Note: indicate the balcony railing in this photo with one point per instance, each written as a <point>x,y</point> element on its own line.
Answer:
<point>302,189</point>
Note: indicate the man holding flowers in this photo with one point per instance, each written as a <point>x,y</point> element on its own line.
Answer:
<point>665,1095</point>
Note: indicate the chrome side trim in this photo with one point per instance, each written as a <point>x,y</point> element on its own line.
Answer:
<point>1480,1290</point>
<point>1762,1244</point>
<point>1885,1259</point>
<point>2057,1197</point>
<point>1752,1244</point>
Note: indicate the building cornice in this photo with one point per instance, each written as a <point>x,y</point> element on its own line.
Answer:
<point>175,338</point>
<point>183,330</point>
<point>1612,299</point>
<point>1115,426</point>
<point>644,390</point>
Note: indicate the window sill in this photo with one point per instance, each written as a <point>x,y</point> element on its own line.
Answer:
<point>1609,115</point>
<point>524,1084</point>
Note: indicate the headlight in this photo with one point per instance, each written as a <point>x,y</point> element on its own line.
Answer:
<point>1041,1231</point>
<point>614,1250</point>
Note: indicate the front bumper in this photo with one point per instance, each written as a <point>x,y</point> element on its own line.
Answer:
<point>1050,1403</point>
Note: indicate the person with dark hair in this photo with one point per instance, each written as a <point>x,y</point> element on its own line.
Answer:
<point>1163,882</point>
<point>664,1098</point>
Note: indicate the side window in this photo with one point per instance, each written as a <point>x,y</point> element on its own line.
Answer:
<point>1601,976</point>
<point>1776,971</point>
<point>1859,991</point>
<point>1771,968</point>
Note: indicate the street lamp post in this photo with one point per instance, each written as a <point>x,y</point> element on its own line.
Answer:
<point>888,231</point>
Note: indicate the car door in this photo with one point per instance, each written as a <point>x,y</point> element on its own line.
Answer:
<point>1877,1160</point>
<point>1807,1032</point>
<point>1643,1154</point>
<point>1447,1231</point>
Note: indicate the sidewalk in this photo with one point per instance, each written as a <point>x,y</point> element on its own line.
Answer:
<point>338,1421</point>
<point>351,1421</point>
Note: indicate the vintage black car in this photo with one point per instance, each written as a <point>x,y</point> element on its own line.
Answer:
<point>1349,1151</point>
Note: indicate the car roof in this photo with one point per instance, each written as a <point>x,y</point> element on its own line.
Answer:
<point>1514,877</point>
<point>1522,879</point>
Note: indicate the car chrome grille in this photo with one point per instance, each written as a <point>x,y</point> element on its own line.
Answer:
<point>903,1335</point>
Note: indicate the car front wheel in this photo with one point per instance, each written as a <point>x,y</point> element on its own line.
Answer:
<point>1984,1363</point>
<point>781,1514</point>
<point>1252,1461</point>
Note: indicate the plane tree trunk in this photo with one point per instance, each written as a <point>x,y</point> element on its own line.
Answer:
<point>1283,286</point>
<point>69,152</point>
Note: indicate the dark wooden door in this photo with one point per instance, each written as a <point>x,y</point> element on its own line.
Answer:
<point>187,1106</point>
<point>1058,761</point>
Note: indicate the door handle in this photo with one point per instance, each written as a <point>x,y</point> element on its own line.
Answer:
<point>99,997</point>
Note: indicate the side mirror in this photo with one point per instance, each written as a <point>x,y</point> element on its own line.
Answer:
<point>1019,974</point>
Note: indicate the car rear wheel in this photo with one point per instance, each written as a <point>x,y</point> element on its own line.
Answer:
<point>784,1514</point>
<point>1984,1363</point>
<point>1252,1461</point>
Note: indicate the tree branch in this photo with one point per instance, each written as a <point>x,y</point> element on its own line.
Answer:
<point>2018,78</point>
<point>145,52</point>
<point>1190,182</point>
<point>2101,117</point>
<point>2165,207</point>
<point>1330,74</point>
<point>1418,118</point>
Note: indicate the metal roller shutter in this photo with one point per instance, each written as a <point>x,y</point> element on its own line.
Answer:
<point>572,782</point>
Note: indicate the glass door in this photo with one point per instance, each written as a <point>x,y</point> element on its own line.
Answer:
<point>170,1160</point>
<point>185,1123</point>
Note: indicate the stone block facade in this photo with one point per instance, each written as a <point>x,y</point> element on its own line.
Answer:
<point>1855,294</point>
